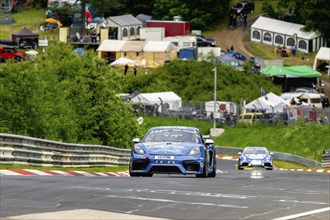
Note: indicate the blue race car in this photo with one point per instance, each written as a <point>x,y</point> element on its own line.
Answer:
<point>255,157</point>
<point>173,150</point>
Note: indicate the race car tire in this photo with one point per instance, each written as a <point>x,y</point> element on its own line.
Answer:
<point>205,169</point>
<point>214,170</point>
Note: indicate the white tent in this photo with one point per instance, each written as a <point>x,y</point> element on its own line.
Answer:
<point>322,56</point>
<point>122,61</point>
<point>31,54</point>
<point>172,99</point>
<point>269,103</point>
<point>276,32</point>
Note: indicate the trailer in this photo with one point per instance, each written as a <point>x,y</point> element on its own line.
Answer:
<point>172,28</point>
<point>152,34</point>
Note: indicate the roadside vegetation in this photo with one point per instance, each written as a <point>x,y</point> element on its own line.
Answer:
<point>61,96</point>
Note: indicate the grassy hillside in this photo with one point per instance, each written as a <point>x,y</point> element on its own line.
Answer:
<point>30,19</point>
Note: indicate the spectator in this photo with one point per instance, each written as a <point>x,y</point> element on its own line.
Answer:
<point>294,49</point>
<point>245,19</point>
<point>126,69</point>
<point>135,70</point>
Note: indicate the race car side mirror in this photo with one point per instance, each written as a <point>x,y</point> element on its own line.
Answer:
<point>136,140</point>
<point>209,141</point>
<point>271,153</point>
<point>239,153</point>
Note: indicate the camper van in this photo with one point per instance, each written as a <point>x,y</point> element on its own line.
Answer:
<point>307,99</point>
<point>311,99</point>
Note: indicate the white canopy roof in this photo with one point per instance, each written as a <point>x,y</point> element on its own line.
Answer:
<point>269,103</point>
<point>283,27</point>
<point>111,45</point>
<point>159,46</point>
<point>174,101</point>
<point>322,55</point>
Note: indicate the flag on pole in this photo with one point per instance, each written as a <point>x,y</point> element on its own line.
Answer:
<point>263,93</point>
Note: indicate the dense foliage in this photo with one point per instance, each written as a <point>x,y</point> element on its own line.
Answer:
<point>200,13</point>
<point>67,97</point>
<point>193,80</point>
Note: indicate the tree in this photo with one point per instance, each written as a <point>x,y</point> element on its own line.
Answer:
<point>313,14</point>
<point>66,97</point>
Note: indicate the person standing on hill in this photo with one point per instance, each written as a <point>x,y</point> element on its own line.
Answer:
<point>125,69</point>
<point>135,70</point>
<point>245,19</point>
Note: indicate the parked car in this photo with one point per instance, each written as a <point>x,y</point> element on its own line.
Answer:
<point>11,53</point>
<point>243,7</point>
<point>255,156</point>
<point>173,150</point>
<point>250,118</point>
<point>237,55</point>
<point>231,61</point>
<point>205,42</point>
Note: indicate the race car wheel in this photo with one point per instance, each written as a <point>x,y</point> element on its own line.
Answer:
<point>205,169</point>
<point>214,170</point>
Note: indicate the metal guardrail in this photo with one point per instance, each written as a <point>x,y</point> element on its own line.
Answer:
<point>16,149</point>
<point>276,156</point>
<point>326,158</point>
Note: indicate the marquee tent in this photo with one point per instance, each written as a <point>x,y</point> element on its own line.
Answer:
<point>269,103</point>
<point>26,38</point>
<point>171,98</point>
<point>291,71</point>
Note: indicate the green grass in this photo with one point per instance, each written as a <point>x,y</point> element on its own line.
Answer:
<point>306,140</point>
<point>287,165</point>
<point>32,20</point>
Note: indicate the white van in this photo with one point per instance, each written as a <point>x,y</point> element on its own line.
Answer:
<point>312,99</point>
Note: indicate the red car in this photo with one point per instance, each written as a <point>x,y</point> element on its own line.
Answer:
<point>11,54</point>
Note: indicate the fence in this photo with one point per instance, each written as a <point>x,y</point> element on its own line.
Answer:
<point>16,149</point>
<point>196,109</point>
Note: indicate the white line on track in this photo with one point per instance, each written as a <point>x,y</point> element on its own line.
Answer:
<point>178,202</point>
<point>303,214</point>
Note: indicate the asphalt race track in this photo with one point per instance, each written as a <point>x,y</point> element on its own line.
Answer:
<point>233,194</point>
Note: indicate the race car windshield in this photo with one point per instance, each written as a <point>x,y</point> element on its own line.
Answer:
<point>172,135</point>
<point>255,151</point>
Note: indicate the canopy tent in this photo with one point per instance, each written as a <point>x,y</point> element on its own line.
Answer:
<point>171,98</point>
<point>26,38</point>
<point>322,56</point>
<point>269,103</point>
<point>292,76</point>
<point>31,54</point>
<point>122,61</point>
<point>291,71</point>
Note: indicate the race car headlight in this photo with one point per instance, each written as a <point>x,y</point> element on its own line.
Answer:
<point>138,150</point>
<point>194,151</point>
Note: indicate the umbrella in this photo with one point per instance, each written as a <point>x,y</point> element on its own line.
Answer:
<point>122,61</point>
<point>97,20</point>
<point>80,51</point>
<point>53,21</point>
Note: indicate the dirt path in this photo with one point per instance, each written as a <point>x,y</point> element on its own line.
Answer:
<point>234,36</point>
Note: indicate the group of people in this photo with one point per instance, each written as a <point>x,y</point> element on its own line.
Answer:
<point>126,70</point>
<point>233,19</point>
